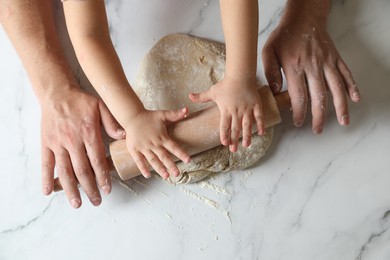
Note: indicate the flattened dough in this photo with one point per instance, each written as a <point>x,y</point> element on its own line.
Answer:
<point>177,65</point>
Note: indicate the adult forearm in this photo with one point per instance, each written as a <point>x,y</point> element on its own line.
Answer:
<point>308,10</point>
<point>240,26</point>
<point>31,28</point>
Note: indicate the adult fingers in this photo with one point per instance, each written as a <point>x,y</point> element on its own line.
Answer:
<point>297,90</point>
<point>318,97</point>
<point>97,157</point>
<point>68,180</point>
<point>83,172</point>
<point>272,68</point>
<point>174,115</point>
<point>48,163</point>
<point>337,88</point>
<point>346,75</point>
<point>112,127</point>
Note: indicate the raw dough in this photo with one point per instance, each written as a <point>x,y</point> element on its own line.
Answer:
<point>177,65</point>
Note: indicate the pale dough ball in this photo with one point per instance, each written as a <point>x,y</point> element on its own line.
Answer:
<point>177,65</point>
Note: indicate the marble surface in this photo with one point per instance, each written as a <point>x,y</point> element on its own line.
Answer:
<point>311,197</point>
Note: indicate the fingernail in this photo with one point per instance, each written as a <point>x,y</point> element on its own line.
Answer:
<point>188,160</point>
<point>298,123</point>
<point>121,132</point>
<point>75,203</point>
<point>45,190</point>
<point>356,95</point>
<point>262,132</point>
<point>183,109</point>
<point>225,142</point>
<point>147,175</point>
<point>106,189</point>
<point>96,201</point>
<point>345,120</point>
<point>274,86</point>
<point>318,130</point>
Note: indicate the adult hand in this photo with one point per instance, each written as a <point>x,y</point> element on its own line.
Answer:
<point>147,140</point>
<point>72,144</point>
<point>302,47</point>
<point>239,104</point>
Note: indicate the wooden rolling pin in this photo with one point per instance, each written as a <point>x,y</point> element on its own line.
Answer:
<point>196,133</point>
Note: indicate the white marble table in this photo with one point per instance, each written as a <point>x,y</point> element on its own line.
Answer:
<point>311,197</point>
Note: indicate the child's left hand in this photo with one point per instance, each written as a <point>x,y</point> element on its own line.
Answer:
<point>239,104</point>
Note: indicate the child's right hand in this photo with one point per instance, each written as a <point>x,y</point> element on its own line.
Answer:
<point>147,140</point>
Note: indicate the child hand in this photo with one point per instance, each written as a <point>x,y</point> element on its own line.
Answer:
<point>147,141</point>
<point>239,104</point>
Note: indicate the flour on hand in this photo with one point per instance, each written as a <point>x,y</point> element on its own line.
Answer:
<point>177,65</point>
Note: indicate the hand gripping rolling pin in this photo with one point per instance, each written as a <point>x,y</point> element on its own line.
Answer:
<point>196,133</point>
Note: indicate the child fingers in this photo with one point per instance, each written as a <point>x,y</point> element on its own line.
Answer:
<point>167,161</point>
<point>259,119</point>
<point>174,115</point>
<point>176,150</point>
<point>201,97</point>
<point>140,161</point>
<point>224,129</point>
<point>246,130</point>
<point>157,165</point>
<point>112,127</point>
<point>235,133</point>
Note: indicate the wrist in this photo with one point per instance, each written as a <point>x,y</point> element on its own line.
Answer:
<point>308,11</point>
<point>56,93</point>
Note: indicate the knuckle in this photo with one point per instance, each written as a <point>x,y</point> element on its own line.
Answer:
<point>338,85</point>
<point>47,166</point>
<point>81,172</point>
<point>153,160</point>
<point>247,124</point>
<point>87,126</point>
<point>235,130</point>
<point>99,162</point>
<point>62,171</point>
<point>138,161</point>
<point>296,64</point>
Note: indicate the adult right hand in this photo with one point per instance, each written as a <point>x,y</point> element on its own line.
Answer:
<point>72,144</point>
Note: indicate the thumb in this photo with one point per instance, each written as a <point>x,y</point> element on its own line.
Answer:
<point>272,69</point>
<point>171,116</point>
<point>201,97</point>
<point>112,127</point>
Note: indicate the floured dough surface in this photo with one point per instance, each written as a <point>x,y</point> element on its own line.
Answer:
<point>177,65</point>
